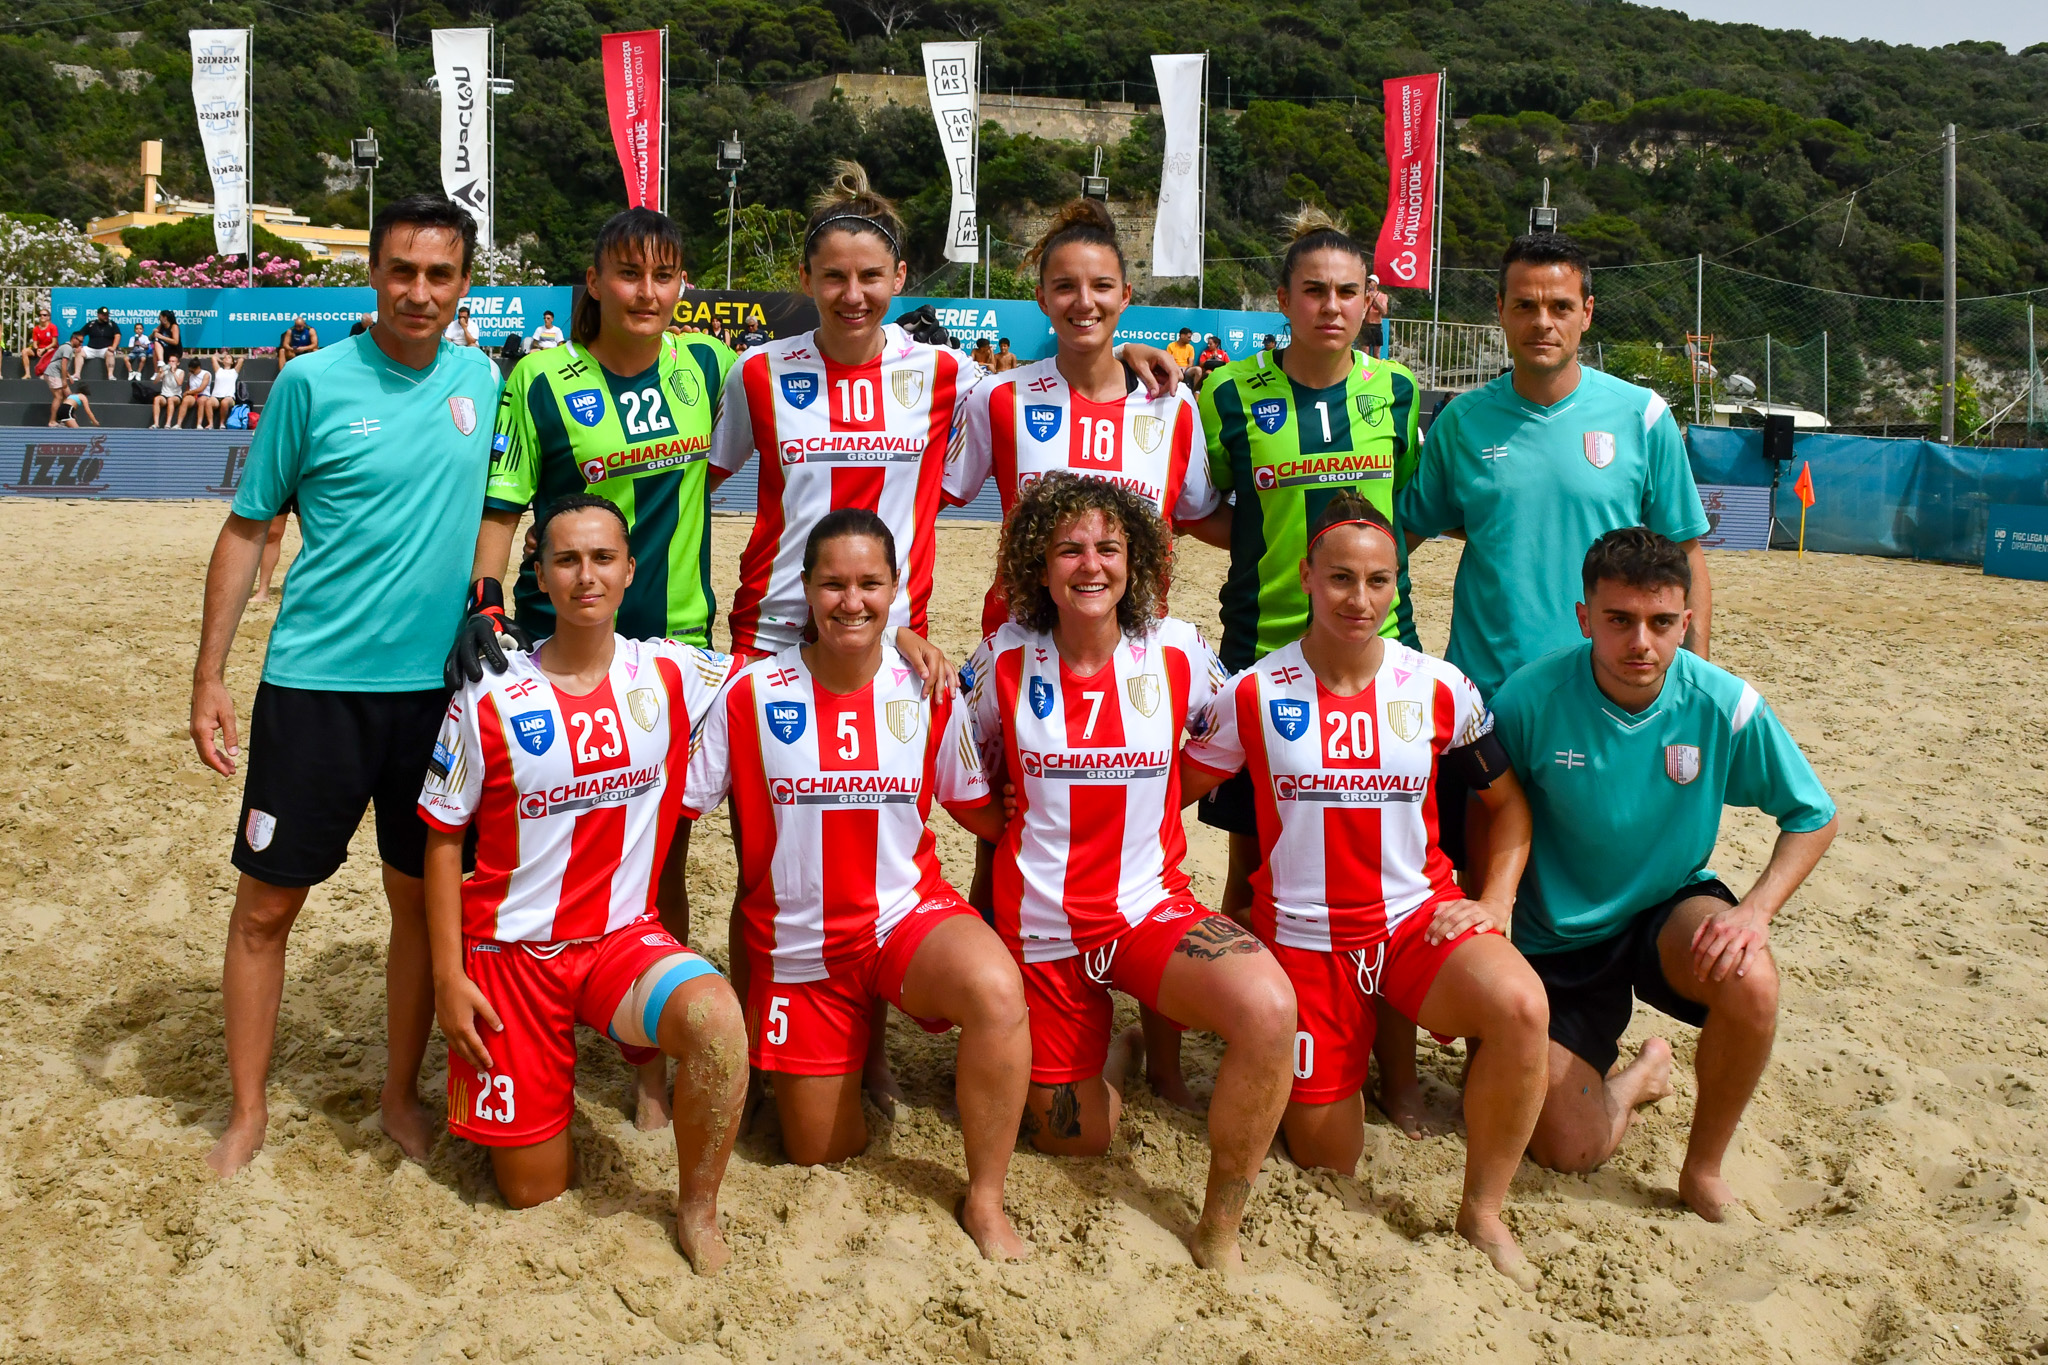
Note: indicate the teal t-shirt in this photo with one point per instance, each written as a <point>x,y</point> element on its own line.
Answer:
<point>388,466</point>
<point>1534,487</point>
<point>1628,807</point>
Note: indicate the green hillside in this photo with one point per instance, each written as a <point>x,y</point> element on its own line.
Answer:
<point>1662,136</point>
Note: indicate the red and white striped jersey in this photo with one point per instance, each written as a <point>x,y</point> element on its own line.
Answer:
<point>1345,790</point>
<point>1028,422</point>
<point>831,795</point>
<point>575,798</point>
<point>832,436</point>
<point>1097,841</point>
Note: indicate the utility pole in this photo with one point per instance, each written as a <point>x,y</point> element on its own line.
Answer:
<point>1202,194</point>
<point>1823,376</point>
<point>1699,326</point>
<point>1948,285</point>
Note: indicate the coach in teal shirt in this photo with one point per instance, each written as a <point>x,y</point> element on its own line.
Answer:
<point>1628,747</point>
<point>382,444</point>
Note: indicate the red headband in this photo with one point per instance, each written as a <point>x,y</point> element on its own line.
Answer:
<point>1355,521</point>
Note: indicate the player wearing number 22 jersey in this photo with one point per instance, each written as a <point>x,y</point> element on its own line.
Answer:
<point>1089,890</point>
<point>831,436</point>
<point>1028,422</point>
<point>1349,873</point>
<point>839,873</point>
<point>575,800</point>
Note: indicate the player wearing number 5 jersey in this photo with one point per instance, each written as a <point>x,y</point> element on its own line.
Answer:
<point>833,756</point>
<point>1342,734</point>
<point>570,765</point>
<point>1083,699</point>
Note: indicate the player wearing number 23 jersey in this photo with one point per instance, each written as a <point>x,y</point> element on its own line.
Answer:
<point>1027,422</point>
<point>575,800</point>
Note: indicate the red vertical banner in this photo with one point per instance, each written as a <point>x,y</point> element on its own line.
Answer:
<point>1404,254</point>
<point>634,88</point>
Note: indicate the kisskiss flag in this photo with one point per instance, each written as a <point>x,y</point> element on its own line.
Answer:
<point>633,94</point>
<point>1404,254</point>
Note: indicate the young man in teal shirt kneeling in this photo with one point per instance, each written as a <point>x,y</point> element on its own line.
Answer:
<point>1628,747</point>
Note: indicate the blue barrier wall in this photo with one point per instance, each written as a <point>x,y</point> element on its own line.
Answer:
<point>1877,496</point>
<point>1031,335</point>
<point>240,319</point>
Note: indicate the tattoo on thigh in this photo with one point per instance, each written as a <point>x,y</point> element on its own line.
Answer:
<point>1213,937</point>
<point>1065,1113</point>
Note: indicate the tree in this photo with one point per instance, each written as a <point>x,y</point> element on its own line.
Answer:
<point>45,253</point>
<point>890,15</point>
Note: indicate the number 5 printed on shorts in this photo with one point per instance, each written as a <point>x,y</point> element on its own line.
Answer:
<point>777,1032</point>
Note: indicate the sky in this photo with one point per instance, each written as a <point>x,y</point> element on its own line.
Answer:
<point>2016,23</point>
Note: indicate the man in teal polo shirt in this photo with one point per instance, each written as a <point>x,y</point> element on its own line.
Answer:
<point>1628,747</point>
<point>383,443</point>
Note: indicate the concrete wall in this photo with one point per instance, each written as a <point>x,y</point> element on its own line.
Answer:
<point>1105,121</point>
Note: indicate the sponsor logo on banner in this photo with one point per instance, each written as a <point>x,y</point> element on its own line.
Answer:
<point>1042,420</point>
<point>1682,763</point>
<point>464,412</point>
<point>786,720</point>
<point>644,707</point>
<point>1144,693</point>
<point>1290,717</point>
<point>587,406</point>
<point>1041,697</point>
<point>904,718</point>
<point>1600,449</point>
<point>259,829</point>
<point>799,390</point>
<point>1404,718</point>
<point>1147,431</point>
<point>908,386</point>
<point>1270,414</point>
<point>535,731</point>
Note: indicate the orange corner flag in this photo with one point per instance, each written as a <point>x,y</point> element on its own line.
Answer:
<point>1804,487</point>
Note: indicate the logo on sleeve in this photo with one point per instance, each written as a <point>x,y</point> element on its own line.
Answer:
<point>535,731</point>
<point>1600,449</point>
<point>1681,763</point>
<point>587,406</point>
<point>1290,717</point>
<point>1042,420</point>
<point>501,443</point>
<point>1270,414</point>
<point>786,720</point>
<point>799,390</point>
<point>1404,718</point>
<point>1041,697</point>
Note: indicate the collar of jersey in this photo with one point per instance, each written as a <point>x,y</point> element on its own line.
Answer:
<point>1613,709</point>
<point>1537,410</point>
<point>406,372</point>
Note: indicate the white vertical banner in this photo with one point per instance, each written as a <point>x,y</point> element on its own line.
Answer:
<point>462,67</point>
<point>952,78</point>
<point>220,95</point>
<point>1177,233</point>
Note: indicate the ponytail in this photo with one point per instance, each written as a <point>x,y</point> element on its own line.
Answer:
<point>1084,221</point>
<point>849,204</point>
<point>1314,230</point>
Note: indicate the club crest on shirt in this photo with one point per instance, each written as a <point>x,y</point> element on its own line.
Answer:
<point>644,707</point>
<point>798,390</point>
<point>1600,449</point>
<point>1681,762</point>
<point>586,406</point>
<point>1144,693</point>
<point>463,410</point>
<point>535,731</point>
<point>1372,408</point>
<point>786,720</point>
<point>1290,717</point>
<point>686,385</point>
<point>1404,718</point>
<point>908,386</point>
<point>1270,414</point>
<point>1041,697</point>
<point>903,718</point>
<point>1146,431</point>
<point>1042,420</point>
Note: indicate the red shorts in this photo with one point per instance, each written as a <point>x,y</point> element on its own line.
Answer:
<point>820,1028</point>
<point>1333,994</point>
<point>1069,1000</point>
<point>529,1094</point>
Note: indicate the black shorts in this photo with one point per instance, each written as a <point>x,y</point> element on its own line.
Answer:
<point>1593,989</point>
<point>316,760</point>
<point>1228,806</point>
<point>1373,333</point>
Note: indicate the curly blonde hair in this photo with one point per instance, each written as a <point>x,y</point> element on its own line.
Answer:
<point>1055,502</point>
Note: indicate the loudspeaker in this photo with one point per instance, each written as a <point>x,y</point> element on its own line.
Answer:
<point>1778,437</point>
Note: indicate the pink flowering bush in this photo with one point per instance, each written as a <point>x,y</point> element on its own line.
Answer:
<point>220,272</point>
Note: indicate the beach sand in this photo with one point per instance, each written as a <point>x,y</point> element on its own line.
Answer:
<point>1893,1169</point>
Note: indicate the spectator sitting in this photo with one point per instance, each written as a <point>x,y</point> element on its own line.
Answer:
<point>299,340</point>
<point>461,332</point>
<point>42,344</point>
<point>170,387</point>
<point>1006,359</point>
<point>1213,354</point>
<point>138,352</point>
<point>221,400</point>
<point>168,338</point>
<point>363,324</point>
<point>102,343</point>
<point>72,402</point>
<point>547,336</point>
<point>1183,350</point>
<point>751,338</point>
<point>984,356</point>
<point>198,385</point>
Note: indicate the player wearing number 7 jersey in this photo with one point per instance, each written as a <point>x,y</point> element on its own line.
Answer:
<point>570,767</point>
<point>1342,734</point>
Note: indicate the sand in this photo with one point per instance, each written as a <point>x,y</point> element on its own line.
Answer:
<point>1893,1170</point>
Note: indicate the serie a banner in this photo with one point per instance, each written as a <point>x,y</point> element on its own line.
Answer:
<point>1403,254</point>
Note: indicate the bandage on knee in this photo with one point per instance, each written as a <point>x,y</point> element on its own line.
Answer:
<point>637,1020</point>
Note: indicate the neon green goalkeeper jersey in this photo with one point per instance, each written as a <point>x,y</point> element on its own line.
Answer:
<point>1285,450</point>
<point>568,425</point>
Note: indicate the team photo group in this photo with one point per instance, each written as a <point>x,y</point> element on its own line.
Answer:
<point>1510,845</point>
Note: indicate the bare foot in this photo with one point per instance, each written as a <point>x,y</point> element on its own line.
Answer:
<point>650,1096</point>
<point>1402,1104</point>
<point>405,1123</point>
<point>991,1232</point>
<point>879,1080</point>
<point>239,1143</point>
<point>1490,1235</point>
<point>1215,1249</point>
<point>1651,1072</point>
<point>1709,1195</point>
<point>1126,1055</point>
<point>698,1238</point>
<point>1173,1088</point>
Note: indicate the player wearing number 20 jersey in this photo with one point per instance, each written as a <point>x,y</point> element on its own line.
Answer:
<point>831,436</point>
<point>568,425</point>
<point>1027,422</point>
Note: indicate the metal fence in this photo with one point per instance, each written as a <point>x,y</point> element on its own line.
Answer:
<point>20,306</point>
<point>1450,355</point>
